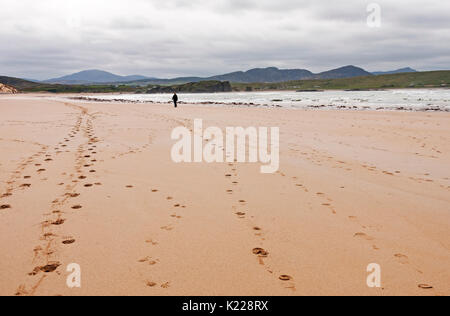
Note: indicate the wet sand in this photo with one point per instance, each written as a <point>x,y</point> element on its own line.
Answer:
<point>94,184</point>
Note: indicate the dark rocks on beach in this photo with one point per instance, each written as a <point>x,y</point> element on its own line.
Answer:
<point>194,87</point>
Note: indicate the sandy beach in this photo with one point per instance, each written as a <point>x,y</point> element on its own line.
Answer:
<point>94,184</point>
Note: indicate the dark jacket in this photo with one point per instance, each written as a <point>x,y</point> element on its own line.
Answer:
<point>175,98</point>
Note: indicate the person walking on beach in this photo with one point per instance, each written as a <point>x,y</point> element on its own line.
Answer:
<point>175,99</point>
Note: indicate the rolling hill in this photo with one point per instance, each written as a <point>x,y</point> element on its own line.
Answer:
<point>28,86</point>
<point>398,71</point>
<point>257,75</point>
<point>271,74</point>
<point>18,83</point>
<point>343,72</point>
<point>94,76</point>
<point>264,75</point>
<point>430,79</point>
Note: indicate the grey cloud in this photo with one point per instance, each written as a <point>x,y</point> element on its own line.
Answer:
<point>203,37</point>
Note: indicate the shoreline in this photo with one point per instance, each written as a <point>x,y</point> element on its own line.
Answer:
<point>87,97</point>
<point>428,109</point>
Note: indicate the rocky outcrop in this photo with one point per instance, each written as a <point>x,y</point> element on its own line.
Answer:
<point>194,87</point>
<point>4,89</point>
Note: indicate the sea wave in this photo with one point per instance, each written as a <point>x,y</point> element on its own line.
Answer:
<point>436,100</point>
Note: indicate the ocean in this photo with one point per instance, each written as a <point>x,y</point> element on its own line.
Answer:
<point>403,100</point>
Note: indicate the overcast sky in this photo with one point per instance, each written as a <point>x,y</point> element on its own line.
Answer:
<point>42,39</point>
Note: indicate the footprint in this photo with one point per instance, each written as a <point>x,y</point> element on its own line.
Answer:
<point>88,185</point>
<point>129,186</point>
<point>151,284</point>
<point>425,286</point>
<point>363,236</point>
<point>5,206</point>
<point>402,258</point>
<point>144,260</point>
<point>41,170</point>
<point>68,241</point>
<point>285,278</point>
<point>50,267</point>
<point>260,252</point>
<point>58,222</point>
<point>77,207</point>
<point>150,241</point>
<point>35,271</point>
<point>148,260</point>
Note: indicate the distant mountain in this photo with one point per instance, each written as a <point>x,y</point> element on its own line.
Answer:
<point>431,79</point>
<point>270,74</point>
<point>343,72</point>
<point>257,75</point>
<point>94,76</point>
<point>398,71</point>
<point>267,75</point>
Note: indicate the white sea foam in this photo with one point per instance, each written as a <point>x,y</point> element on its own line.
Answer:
<point>406,100</point>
